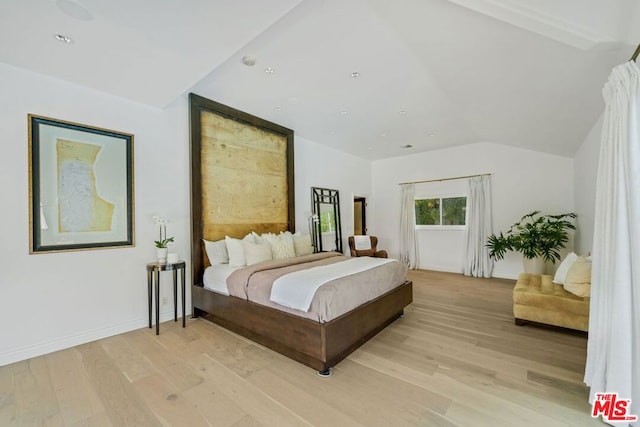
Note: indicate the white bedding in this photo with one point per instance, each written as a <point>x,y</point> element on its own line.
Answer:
<point>296,290</point>
<point>215,278</point>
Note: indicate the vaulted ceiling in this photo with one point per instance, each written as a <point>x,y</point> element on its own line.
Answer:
<point>367,77</point>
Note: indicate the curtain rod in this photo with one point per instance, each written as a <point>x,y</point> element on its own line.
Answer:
<point>635,54</point>
<point>444,179</point>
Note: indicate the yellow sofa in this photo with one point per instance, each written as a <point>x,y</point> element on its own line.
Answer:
<point>537,299</point>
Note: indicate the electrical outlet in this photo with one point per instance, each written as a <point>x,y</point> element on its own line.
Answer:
<point>164,300</point>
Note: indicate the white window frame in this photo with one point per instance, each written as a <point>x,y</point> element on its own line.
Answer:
<point>442,226</point>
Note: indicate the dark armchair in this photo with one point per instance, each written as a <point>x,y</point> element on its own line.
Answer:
<point>373,251</point>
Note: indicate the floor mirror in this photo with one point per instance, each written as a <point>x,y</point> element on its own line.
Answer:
<point>326,230</point>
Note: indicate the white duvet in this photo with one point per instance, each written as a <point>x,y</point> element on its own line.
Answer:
<point>215,278</point>
<point>296,290</point>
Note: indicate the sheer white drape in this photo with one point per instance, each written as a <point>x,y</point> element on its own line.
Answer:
<point>613,350</point>
<point>477,262</point>
<point>408,241</point>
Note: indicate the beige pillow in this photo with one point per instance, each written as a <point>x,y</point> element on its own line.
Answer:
<point>578,280</point>
<point>256,252</point>
<point>302,244</point>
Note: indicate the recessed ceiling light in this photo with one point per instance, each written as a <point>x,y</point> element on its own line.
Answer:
<point>403,112</point>
<point>344,112</point>
<point>62,38</point>
<point>432,134</point>
<point>278,108</point>
<point>269,70</point>
<point>383,134</point>
<point>249,61</point>
<point>406,146</point>
<point>355,74</point>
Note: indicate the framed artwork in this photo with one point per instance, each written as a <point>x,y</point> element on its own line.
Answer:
<point>80,186</point>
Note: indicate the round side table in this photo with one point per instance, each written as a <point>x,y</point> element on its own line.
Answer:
<point>153,276</point>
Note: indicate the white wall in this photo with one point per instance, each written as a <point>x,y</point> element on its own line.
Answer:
<point>586,174</point>
<point>522,181</point>
<point>321,166</point>
<point>57,300</point>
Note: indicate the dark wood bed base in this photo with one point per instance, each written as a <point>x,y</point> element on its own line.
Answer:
<point>318,345</point>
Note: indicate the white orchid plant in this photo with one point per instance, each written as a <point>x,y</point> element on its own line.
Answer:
<point>162,225</point>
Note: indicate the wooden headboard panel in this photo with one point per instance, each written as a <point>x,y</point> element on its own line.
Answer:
<point>242,176</point>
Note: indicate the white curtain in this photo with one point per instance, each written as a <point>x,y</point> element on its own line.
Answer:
<point>408,241</point>
<point>477,262</point>
<point>613,349</point>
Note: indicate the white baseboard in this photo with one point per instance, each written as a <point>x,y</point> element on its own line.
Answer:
<point>49,346</point>
<point>449,269</point>
<point>443,268</point>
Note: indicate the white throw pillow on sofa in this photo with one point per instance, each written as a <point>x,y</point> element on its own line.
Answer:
<point>563,268</point>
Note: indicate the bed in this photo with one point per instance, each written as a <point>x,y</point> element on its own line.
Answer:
<point>242,181</point>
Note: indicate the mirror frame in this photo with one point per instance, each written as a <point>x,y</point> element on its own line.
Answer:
<point>324,196</point>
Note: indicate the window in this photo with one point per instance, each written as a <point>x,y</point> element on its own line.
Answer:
<point>428,212</point>
<point>441,211</point>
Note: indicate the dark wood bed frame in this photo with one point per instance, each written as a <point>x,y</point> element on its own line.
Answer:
<point>318,345</point>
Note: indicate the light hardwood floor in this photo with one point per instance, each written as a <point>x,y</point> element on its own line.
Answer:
<point>456,359</point>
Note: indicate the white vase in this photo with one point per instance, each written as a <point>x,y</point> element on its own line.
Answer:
<point>161,254</point>
<point>534,265</point>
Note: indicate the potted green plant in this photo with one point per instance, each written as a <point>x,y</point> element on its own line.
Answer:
<point>536,236</point>
<point>163,242</point>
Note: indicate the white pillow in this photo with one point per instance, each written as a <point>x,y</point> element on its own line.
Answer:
<point>256,252</point>
<point>256,238</point>
<point>216,252</point>
<point>235,248</point>
<point>281,245</point>
<point>302,244</point>
<point>563,268</point>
